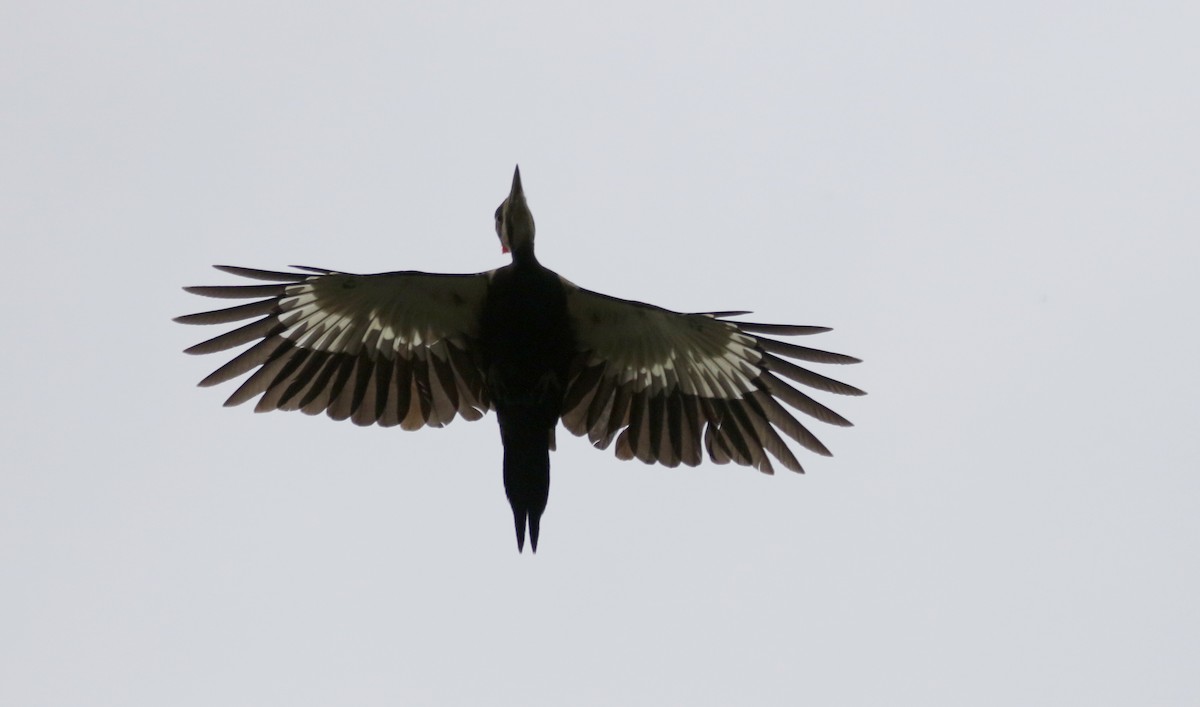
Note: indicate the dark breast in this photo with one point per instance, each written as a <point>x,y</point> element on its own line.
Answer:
<point>526,340</point>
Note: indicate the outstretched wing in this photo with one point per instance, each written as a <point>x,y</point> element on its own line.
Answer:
<point>394,348</point>
<point>660,383</point>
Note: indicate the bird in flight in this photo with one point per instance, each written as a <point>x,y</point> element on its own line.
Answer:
<point>417,349</point>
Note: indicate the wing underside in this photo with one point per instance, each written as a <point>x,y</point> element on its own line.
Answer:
<point>672,388</point>
<point>388,349</point>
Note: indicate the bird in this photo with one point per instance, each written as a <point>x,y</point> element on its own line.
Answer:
<point>415,349</point>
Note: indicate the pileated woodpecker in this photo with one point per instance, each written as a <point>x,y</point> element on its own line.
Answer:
<point>415,349</point>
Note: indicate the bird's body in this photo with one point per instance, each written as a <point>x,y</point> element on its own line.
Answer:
<point>526,344</point>
<point>415,349</point>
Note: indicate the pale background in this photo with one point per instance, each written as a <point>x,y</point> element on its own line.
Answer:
<point>995,205</point>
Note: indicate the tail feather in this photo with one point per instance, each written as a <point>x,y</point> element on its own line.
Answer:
<point>519,519</point>
<point>527,481</point>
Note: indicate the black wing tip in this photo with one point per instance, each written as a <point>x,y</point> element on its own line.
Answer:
<point>210,380</point>
<point>807,329</point>
<point>267,275</point>
<point>728,313</point>
<point>820,449</point>
<point>239,269</point>
<point>835,359</point>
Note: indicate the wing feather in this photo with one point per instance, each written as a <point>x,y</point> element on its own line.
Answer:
<point>806,377</point>
<point>256,274</point>
<point>781,329</point>
<point>341,404</point>
<point>397,348</point>
<point>398,393</point>
<point>636,429</point>
<point>261,329</point>
<point>804,353</point>
<point>237,291</point>
<point>443,390</point>
<point>772,441</point>
<point>673,423</point>
<point>367,411</point>
<point>231,314</point>
<point>419,403</point>
<point>802,402</point>
<point>312,390</point>
<point>785,421</point>
<point>743,447</point>
<point>690,439</point>
<point>473,401</point>
<point>671,388</point>
<point>600,409</point>
<point>260,380</point>
<point>364,370</point>
<point>309,390</point>
<point>384,368</point>
<point>280,384</point>
<point>257,355</point>
<point>618,415</point>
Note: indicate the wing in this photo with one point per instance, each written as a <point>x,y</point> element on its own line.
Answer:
<point>660,383</point>
<point>394,349</point>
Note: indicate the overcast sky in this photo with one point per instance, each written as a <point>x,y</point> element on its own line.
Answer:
<point>995,208</point>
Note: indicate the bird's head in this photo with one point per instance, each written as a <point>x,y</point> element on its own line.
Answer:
<point>514,220</point>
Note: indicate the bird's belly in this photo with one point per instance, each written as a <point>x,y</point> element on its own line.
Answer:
<point>527,343</point>
<point>527,364</point>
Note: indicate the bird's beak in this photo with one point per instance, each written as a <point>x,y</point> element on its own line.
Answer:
<point>517,195</point>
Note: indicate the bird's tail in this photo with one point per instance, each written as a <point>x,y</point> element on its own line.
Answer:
<point>527,479</point>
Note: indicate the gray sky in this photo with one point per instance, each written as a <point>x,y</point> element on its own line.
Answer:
<point>995,208</point>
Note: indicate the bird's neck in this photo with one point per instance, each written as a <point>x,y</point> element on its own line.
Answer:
<point>524,257</point>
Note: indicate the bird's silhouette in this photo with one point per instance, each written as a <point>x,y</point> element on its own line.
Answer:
<point>415,349</point>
